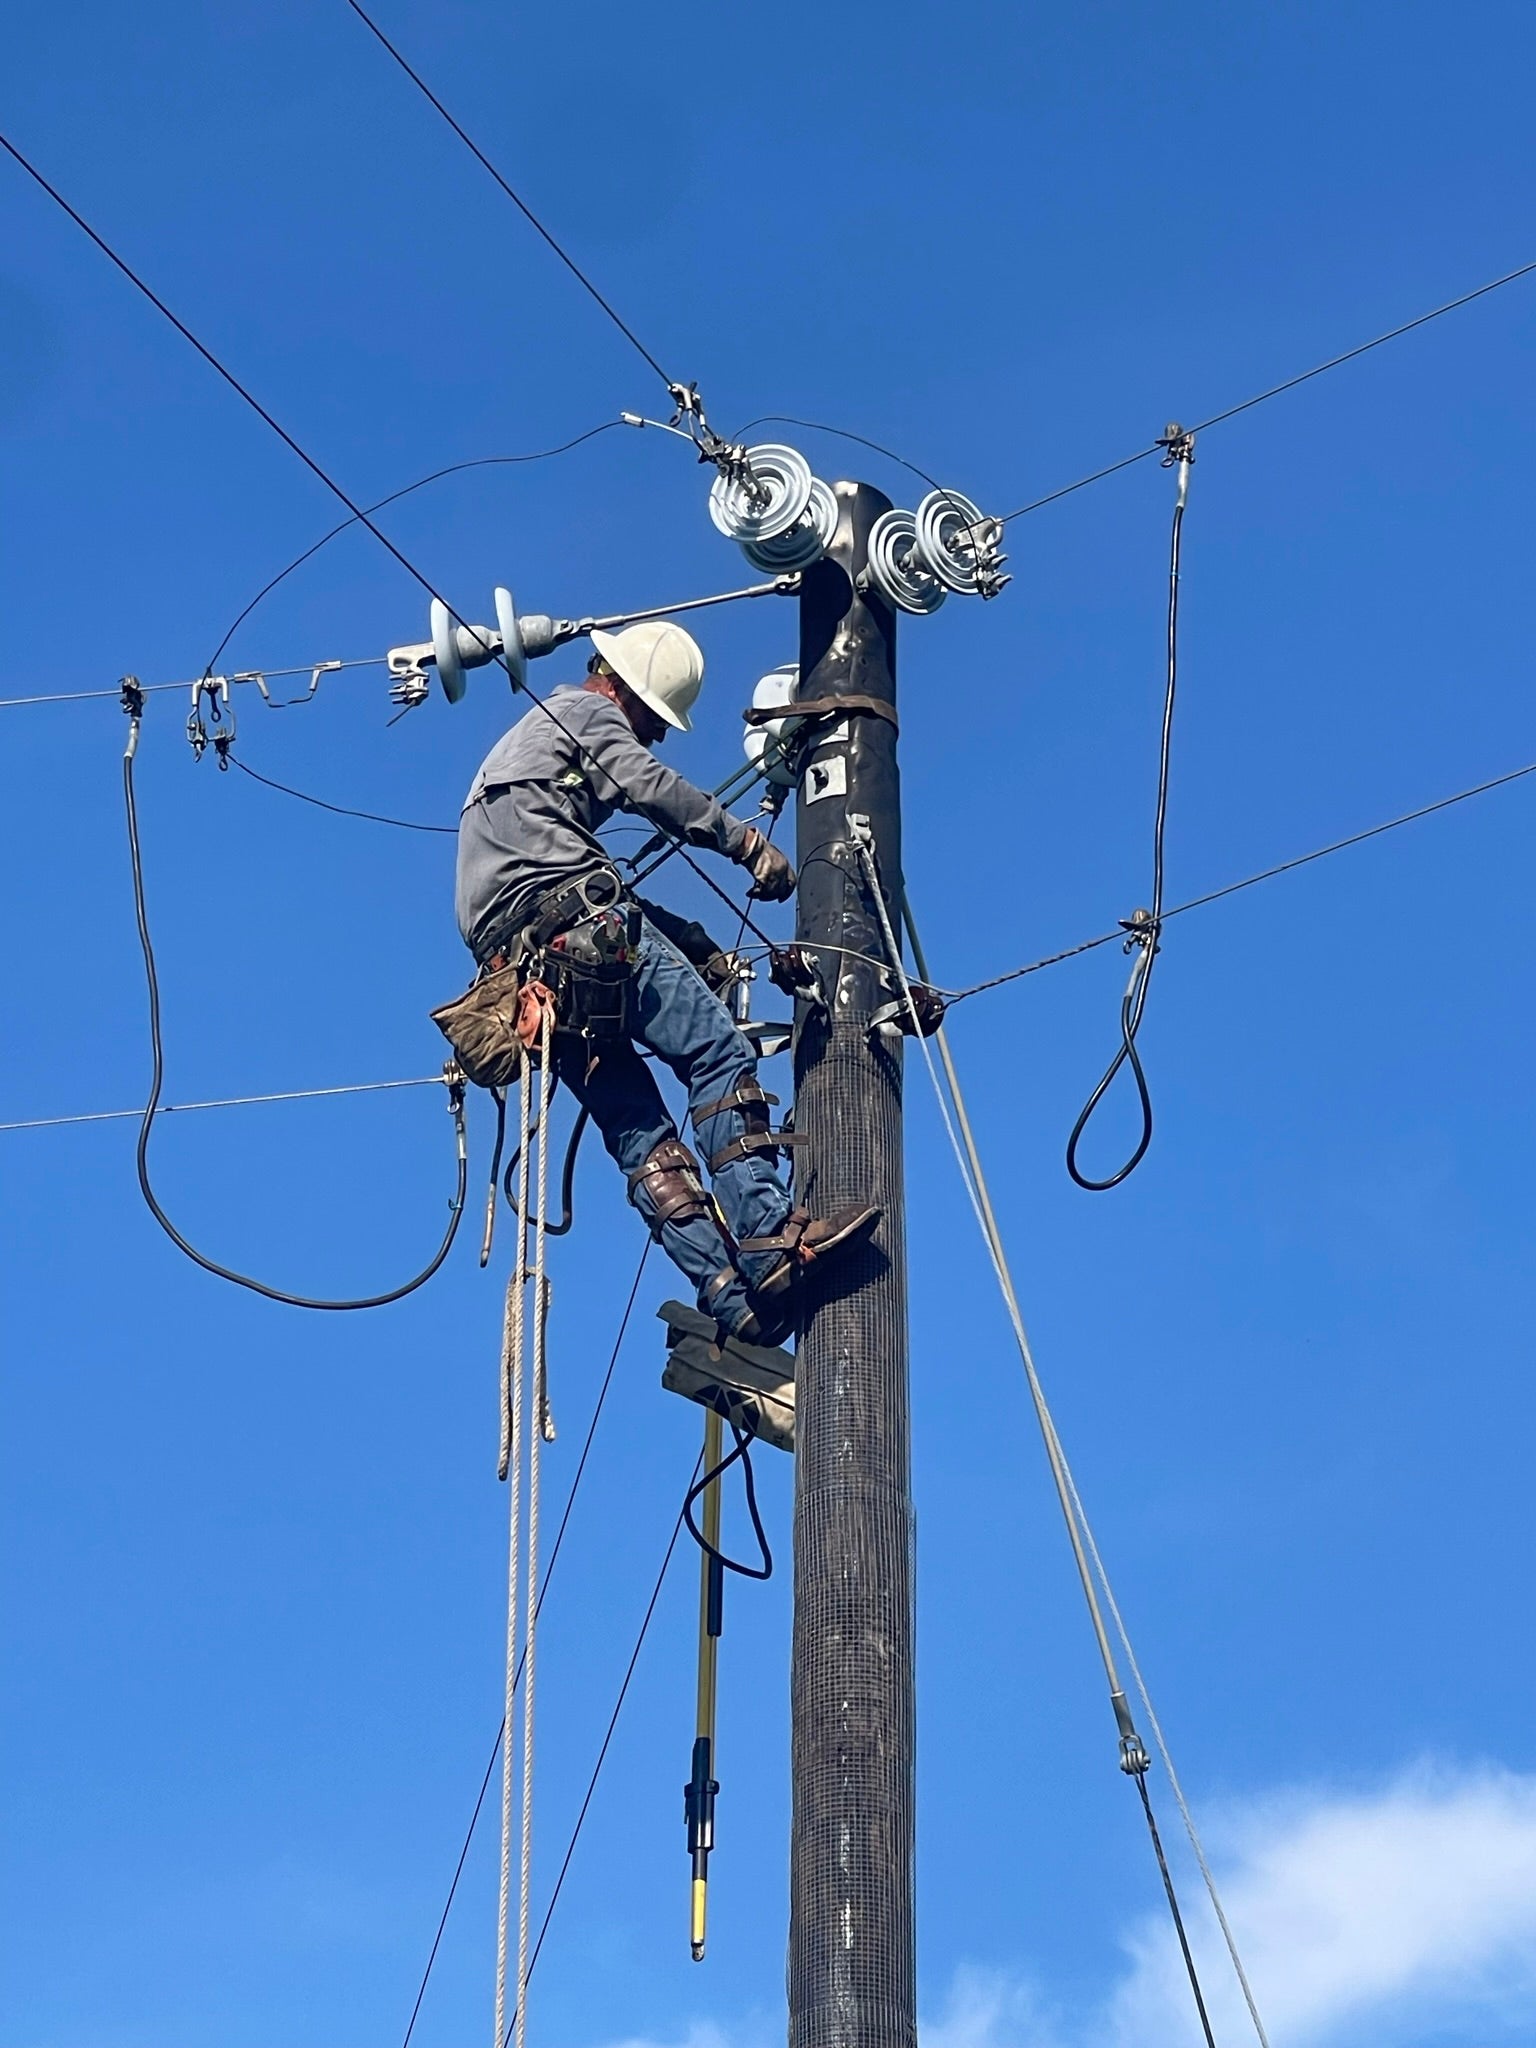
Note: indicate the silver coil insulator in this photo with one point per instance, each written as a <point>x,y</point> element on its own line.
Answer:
<point>958,543</point>
<point>806,541</point>
<point>766,501</point>
<point>897,568</point>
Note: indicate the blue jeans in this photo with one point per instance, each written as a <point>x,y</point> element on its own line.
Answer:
<point>690,1029</point>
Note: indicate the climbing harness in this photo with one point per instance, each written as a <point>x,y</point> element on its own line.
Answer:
<point>132,699</point>
<point>525,1426</point>
<point>1144,928</point>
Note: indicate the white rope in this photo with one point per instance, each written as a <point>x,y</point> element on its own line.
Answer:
<point>534,1432</point>
<point>1078,1526</point>
<point>511,1466</point>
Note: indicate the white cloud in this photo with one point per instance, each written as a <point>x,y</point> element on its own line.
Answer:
<point>1385,1920</point>
<point>1399,1918</point>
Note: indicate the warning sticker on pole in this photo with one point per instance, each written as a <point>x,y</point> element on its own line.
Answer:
<point>826,778</point>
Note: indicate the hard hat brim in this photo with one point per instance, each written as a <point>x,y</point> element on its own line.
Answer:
<point>609,647</point>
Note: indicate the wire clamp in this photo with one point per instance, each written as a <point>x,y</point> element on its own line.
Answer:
<point>212,692</point>
<point>258,677</point>
<point>131,692</point>
<point>1178,446</point>
<point>1141,930</point>
<point>729,457</point>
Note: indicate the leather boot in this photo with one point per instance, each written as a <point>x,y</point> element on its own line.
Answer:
<point>805,1240</point>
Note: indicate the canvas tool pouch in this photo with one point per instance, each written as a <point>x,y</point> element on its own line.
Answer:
<point>482,1027</point>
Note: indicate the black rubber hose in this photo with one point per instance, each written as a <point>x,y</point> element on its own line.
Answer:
<point>742,1452</point>
<point>152,981</point>
<point>567,1177</point>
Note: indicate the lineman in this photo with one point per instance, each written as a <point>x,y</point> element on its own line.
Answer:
<point>534,880</point>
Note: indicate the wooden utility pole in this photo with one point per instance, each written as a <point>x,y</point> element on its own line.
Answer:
<point>852,1968</point>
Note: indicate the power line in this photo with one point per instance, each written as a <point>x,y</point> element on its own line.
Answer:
<point>1154,447</point>
<point>1289,384</point>
<point>1284,867</point>
<point>303,668</point>
<point>521,204</point>
<point>214,363</point>
<point>107,1116</point>
<point>308,460</point>
<point>337,810</point>
<point>953,996</point>
<point>436,476</point>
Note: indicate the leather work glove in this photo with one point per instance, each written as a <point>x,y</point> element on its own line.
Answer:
<point>772,872</point>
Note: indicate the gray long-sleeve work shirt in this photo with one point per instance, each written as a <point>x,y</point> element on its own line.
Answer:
<point>531,819</point>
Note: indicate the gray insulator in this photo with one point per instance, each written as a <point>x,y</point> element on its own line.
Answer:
<point>955,539</point>
<point>783,480</point>
<point>806,542</point>
<point>897,568</point>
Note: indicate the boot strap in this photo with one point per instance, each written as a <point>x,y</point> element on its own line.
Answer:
<point>753,1141</point>
<point>745,1095</point>
<point>788,1240</point>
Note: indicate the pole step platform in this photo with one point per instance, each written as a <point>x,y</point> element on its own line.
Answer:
<point>751,1385</point>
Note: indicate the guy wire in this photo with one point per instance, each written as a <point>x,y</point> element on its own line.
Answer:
<point>1079,1530</point>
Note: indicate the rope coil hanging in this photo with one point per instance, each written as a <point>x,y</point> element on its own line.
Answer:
<point>525,1427</point>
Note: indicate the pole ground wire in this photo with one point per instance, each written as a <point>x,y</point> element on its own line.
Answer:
<point>134,706</point>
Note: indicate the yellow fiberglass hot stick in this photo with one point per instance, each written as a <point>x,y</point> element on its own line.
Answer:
<point>699,1792</point>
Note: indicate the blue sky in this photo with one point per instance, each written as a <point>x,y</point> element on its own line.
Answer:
<point>255,1559</point>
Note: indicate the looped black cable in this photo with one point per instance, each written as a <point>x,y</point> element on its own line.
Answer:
<point>1144,938</point>
<point>157,1079</point>
<point>567,1176</point>
<point>742,1452</point>
<point>1144,928</point>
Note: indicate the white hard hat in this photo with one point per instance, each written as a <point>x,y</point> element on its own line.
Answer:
<point>662,664</point>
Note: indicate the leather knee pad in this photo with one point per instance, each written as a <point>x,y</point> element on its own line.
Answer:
<point>666,1187</point>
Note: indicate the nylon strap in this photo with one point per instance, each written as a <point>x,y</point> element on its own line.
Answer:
<point>825,707</point>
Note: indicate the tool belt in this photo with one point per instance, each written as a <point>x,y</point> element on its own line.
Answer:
<point>578,951</point>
